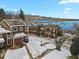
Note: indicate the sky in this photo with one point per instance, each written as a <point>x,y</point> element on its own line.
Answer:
<point>49,8</point>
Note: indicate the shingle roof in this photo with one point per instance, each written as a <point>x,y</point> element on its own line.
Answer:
<point>15,22</point>
<point>52,26</point>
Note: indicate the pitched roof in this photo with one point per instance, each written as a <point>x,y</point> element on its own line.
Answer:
<point>3,30</point>
<point>2,40</point>
<point>17,35</point>
<point>52,26</point>
<point>15,22</point>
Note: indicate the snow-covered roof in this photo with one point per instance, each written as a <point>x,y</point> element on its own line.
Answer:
<point>67,34</point>
<point>17,35</point>
<point>3,30</point>
<point>2,40</point>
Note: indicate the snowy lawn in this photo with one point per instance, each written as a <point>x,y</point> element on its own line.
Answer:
<point>20,53</point>
<point>35,48</point>
<point>63,54</point>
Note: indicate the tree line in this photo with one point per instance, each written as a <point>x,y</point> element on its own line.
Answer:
<point>11,14</point>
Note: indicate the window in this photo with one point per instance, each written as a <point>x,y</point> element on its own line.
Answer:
<point>26,28</point>
<point>20,28</point>
<point>8,35</point>
<point>0,35</point>
<point>25,39</point>
<point>1,45</point>
<point>14,29</point>
<point>9,38</point>
<point>48,30</point>
<point>9,41</point>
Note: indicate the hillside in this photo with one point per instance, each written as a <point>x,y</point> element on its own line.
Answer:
<point>36,17</point>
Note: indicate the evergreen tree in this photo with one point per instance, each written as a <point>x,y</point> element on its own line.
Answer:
<point>21,15</point>
<point>2,14</point>
<point>39,30</point>
<point>74,49</point>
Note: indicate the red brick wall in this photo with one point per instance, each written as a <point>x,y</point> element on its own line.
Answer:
<point>18,41</point>
<point>5,38</point>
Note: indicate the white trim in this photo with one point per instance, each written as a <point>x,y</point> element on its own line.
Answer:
<point>14,30</point>
<point>18,35</point>
<point>2,40</point>
<point>17,25</point>
<point>8,38</point>
<point>6,22</point>
<point>1,35</point>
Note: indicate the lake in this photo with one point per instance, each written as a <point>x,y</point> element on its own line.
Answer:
<point>66,25</point>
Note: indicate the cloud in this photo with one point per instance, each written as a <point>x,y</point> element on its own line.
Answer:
<point>67,10</point>
<point>68,1</point>
<point>45,7</point>
<point>2,6</point>
<point>14,10</point>
<point>9,9</point>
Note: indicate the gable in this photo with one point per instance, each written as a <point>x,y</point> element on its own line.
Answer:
<point>5,24</point>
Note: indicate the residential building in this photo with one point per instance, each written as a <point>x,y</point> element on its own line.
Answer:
<point>19,39</point>
<point>51,31</point>
<point>5,38</point>
<point>18,29</point>
<point>15,25</point>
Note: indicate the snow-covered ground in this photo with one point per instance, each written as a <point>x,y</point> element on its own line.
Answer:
<point>35,48</point>
<point>20,53</point>
<point>63,54</point>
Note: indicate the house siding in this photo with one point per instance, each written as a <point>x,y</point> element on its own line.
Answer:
<point>5,38</point>
<point>18,41</point>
